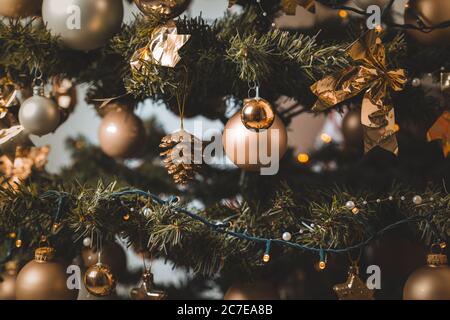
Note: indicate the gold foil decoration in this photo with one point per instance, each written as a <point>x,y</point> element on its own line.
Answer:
<point>162,48</point>
<point>9,133</point>
<point>290,6</point>
<point>354,288</point>
<point>372,77</point>
<point>13,172</point>
<point>8,96</point>
<point>441,131</point>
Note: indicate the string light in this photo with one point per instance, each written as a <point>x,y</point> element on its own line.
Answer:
<point>355,210</point>
<point>396,128</point>
<point>343,14</point>
<point>126,217</point>
<point>12,235</point>
<point>303,158</point>
<point>326,138</point>
<point>18,243</point>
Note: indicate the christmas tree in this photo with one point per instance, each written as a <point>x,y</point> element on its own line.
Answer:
<point>249,210</point>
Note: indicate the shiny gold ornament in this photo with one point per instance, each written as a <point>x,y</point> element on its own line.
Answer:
<point>168,8</point>
<point>430,13</point>
<point>431,282</point>
<point>146,290</point>
<point>8,281</point>
<point>44,279</point>
<point>99,280</point>
<point>354,288</point>
<point>353,130</point>
<point>290,6</point>
<point>441,131</point>
<point>372,77</point>
<point>112,254</point>
<point>257,114</point>
<point>26,160</point>
<point>162,49</point>
<point>182,155</point>
<point>20,8</point>
<point>121,133</point>
<point>248,149</point>
<point>260,290</point>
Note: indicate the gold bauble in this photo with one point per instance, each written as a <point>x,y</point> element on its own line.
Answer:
<point>121,133</point>
<point>168,8</point>
<point>8,281</point>
<point>431,282</point>
<point>44,279</point>
<point>20,8</point>
<point>363,4</point>
<point>257,114</point>
<point>352,129</point>
<point>99,280</point>
<point>431,12</point>
<point>112,254</point>
<point>242,145</point>
<point>260,290</point>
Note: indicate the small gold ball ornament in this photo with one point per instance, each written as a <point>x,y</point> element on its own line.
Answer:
<point>20,8</point>
<point>248,148</point>
<point>257,114</point>
<point>112,254</point>
<point>8,281</point>
<point>99,280</point>
<point>121,133</point>
<point>44,279</point>
<point>430,12</point>
<point>169,8</point>
<point>431,282</point>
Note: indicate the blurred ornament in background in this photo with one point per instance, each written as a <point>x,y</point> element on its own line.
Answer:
<point>83,24</point>
<point>20,8</point>
<point>8,281</point>
<point>257,114</point>
<point>431,282</point>
<point>44,279</point>
<point>121,133</point>
<point>352,130</point>
<point>260,290</point>
<point>441,131</point>
<point>428,13</point>
<point>99,280</point>
<point>112,254</point>
<point>146,290</point>
<point>168,8</point>
<point>246,148</point>
<point>363,4</point>
<point>38,114</point>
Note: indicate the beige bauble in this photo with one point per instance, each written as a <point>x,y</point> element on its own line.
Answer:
<point>431,12</point>
<point>83,24</point>
<point>352,130</point>
<point>20,8</point>
<point>112,254</point>
<point>44,279</point>
<point>260,290</point>
<point>242,146</point>
<point>431,282</point>
<point>8,281</point>
<point>121,133</point>
<point>363,4</point>
<point>169,8</point>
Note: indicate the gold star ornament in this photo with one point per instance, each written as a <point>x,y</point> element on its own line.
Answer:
<point>146,290</point>
<point>354,288</point>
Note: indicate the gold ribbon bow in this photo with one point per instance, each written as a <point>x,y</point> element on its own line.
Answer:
<point>162,48</point>
<point>371,75</point>
<point>441,131</point>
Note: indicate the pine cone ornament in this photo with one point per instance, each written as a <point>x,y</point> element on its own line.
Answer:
<point>182,155</point>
